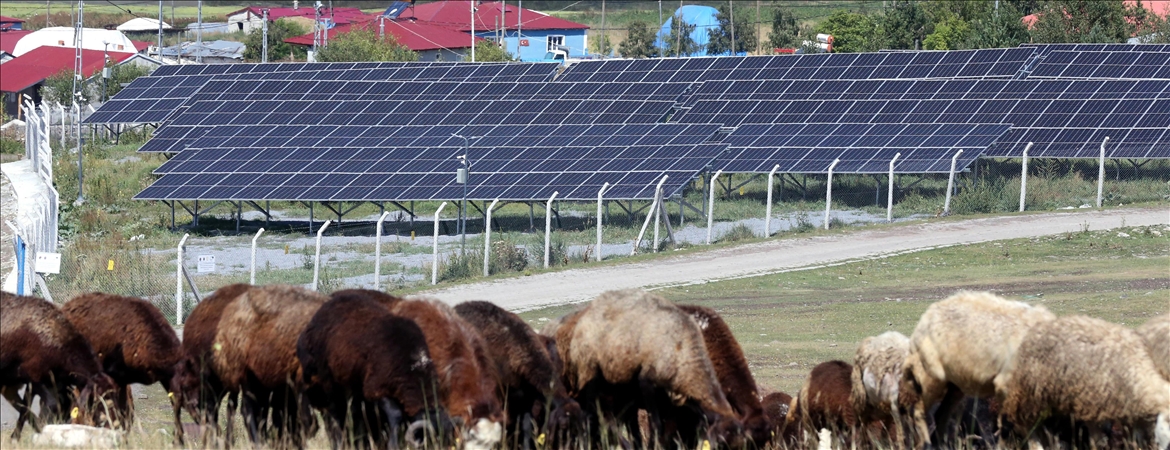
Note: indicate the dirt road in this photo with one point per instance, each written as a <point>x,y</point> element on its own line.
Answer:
<point>786,254</point>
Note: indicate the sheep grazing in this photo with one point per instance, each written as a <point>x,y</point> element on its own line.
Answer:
<point>41,351</point>
<point>466,381</point>
<point>776,406</point>
<point>1089,370</point>
<point>633,339</point>
<point>877,374</point>
<point>731,368</point>
<point>966,340</point>
<point>527,377</point>
<point>356,354</point>
<point>825,402</point>
<point>255,355</point>
<point>133,341</point>
<point>199,389</point>
<point>1156,335</point>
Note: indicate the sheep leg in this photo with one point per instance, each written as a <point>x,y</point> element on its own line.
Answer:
<point>946,427</point>
<point>527,431</point>
<point>233,402</point>
<point>250,410</point>
<point>393,420</point>
<point>335,417</point>
<point>21,406</point>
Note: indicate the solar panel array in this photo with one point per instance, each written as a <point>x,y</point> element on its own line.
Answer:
<point>1046,48</point>
<point>510,162</point>
<point>862,148</point>
<point>929,89</point>
<point>1074,64</point>
<point>375,91</point>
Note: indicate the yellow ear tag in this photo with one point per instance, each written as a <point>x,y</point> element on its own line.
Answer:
<point>540,439</point>
<point>217,347</point>
<point>706,445</point>
<point>74,413</point>
<point>170,395</point>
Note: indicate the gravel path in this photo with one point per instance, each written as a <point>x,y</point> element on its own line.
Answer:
<point>579,285</point>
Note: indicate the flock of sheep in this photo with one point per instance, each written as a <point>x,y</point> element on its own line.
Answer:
<point>629,369</point>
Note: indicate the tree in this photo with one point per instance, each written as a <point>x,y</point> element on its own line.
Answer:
<point>952,33</point>
<point>123,74</point>
<point>680,43</point>
<point>58,89</point>
<point>278,31</point>
<point>852,32</point>
<point>602,46</point>
<point>720,41</point>
<point>905,24</point>
<point>998,30</point>
<point>785,29</point>
<point>363,45</point>
<point>1084,21</point>
<point>639,42</point>
<point>488,51</point>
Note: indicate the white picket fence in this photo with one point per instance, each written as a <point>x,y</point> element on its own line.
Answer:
<point>35,221</point>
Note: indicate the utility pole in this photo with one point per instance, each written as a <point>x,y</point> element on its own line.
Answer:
<point>660,22</point>
<point>199,32</point>
<point>678,34</point>
<point>472,2</point>
<point>759,38</point>
<point>264,37</point>
<point>48,12</point>
<point>601,43</point>
<point>519,27</point>
<point>78,85</point>
<point>731,7</point>
<point>160,28</point>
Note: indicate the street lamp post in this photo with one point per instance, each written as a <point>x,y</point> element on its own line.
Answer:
<point>463,176</point>
<point>105,69</point>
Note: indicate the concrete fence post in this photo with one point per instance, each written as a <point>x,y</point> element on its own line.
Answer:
<point>317,257</point>
<point>829,191</point>
<point>548,227</point>
<point>1024,176</point>
<point>487,238</point>
<point>600,193</point>
<point>711,205</point>
<point>951,183</point>
<point>179,281</point>
<point>1101,172</point>
<point>768,208</point>
<point>252,277</point>
<point>890,195</point>
<point>435,247</point>
<point>378,252</point>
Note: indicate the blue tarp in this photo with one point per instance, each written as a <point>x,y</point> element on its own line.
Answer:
<point>702,17</point>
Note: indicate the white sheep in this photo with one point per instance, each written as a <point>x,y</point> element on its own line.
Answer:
<point>1089,370</point>
<point>877,371</point>
<point>1156,335</point>
<point>968,340</point>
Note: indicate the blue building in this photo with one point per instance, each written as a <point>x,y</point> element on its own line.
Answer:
<point>524,33</point>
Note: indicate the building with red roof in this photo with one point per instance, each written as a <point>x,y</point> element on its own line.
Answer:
<point>524,33</point>
<point>11,23</point>
<point>433,43</point>
<point>24,74</point>
<point>9,38</point>
<point>252,17</point>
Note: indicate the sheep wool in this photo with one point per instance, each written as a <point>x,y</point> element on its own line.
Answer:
<point>1156,335</point>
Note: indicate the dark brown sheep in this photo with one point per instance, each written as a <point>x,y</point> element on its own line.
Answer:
<point>133,341</point>
<point>255,355</point>
<point>731,368</point>
<point>635,341</point>
<point>776,407</point>
<point>43,353</point>
<point>529,382</point>
<point>198,388</point>
<point>355,353</point>
<point>466,379</point>
<point>824,402</point>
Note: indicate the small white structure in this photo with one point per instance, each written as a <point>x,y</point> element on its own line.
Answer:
<point>142,24</point>
<point>92,39</point>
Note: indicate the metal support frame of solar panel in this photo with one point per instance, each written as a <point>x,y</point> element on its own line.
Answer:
<point>203,116</point>
<point>860,147</point>
<point>928,89</point>
<point>1059,128</point>
<point>156,96</point>
<point>576,170</point>
<point>1104,65</point>
<point>987,63</point>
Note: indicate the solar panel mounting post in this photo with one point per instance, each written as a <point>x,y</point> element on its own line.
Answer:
<point>435,247</point>
<point>317,256</point>
<point>951,183</point>
<point>252,276</point>
<point>548,225</point>
<point>1101,172</point>
<point>487,237</point>
<point>600,193</point>
<point>829,191</point>
<point>378,251</point>
<point>711,204</point>
<point>1024,176</point>
<point>890,195</point>
<point>768,208</point>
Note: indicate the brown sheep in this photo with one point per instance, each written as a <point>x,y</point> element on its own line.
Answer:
<point>776,406</point>
<point>1156,335</point>
<point>824,402</point>
<point>198,388</point>
<point>527,377</point>
<point>133,341</point>
<point>876,379</point>
<point>356,354</point>
<point>634,340</point>
<point>466,379</point>
<point>1088,370</point>
<point>731,368</point>
<point>965,341</point>
<point>255,355</point>
<point>43,353</point>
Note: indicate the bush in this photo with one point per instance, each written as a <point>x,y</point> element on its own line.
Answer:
<point>456,266</point>
<point>508,257</point>
<point>986,196</point>
<point>740,232</point>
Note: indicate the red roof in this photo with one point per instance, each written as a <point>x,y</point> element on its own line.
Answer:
<point>340,15</point>
<point>142,45</point>
<point>7,19</point>
<point>1159,7</point>
<point>457,15</point>
<point>417,36</point>
<point>33,67</point>
<point>9,38</point>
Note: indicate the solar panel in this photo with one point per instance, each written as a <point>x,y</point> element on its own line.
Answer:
<point>1044,49</point>
<point>928,89</point>
<point>1105,65</point>
<point>861,147</point>
<point>576,168</point>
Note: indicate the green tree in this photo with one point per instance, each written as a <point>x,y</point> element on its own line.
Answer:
<point>58,89</point>
<point>1084,21</point>
<point>785,29</point>
<point>720,38</point>
<point>998,30</point>
<point>486,51</point>
<point>904,24</point>
<point>363,45</point>
<point>639,42</point>
<point>852,32</point>
<point>680,43</point>
<point>278,31</point>
<point>602,45</point>
<point>123,74</point>
<point>953,33</point>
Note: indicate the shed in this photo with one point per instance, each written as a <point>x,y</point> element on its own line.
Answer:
<point>92,39</point>
<point>251,17</point>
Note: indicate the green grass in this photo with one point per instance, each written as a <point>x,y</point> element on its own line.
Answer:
<point>789,322</point>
